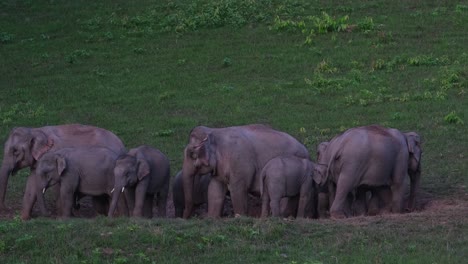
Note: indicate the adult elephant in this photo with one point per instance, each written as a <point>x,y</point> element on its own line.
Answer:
<point>235,157</point>
<point>25,146</point>
<point>370,157</point>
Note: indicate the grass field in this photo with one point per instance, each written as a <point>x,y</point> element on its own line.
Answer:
<point>151,70</point>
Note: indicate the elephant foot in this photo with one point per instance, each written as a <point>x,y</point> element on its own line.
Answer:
<point>25,216</point>
<point>337,215</point>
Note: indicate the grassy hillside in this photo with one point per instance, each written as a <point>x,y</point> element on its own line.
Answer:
<point>151,70</point>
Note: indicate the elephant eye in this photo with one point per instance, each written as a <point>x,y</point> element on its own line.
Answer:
<point>194,155</point>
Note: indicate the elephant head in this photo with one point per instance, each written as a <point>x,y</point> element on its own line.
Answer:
<point>50,169</point>
<point>413,141</point>
<point>199,158</point>
<point>23,148</point>
<point>319,174</point>
<point>128,171</point>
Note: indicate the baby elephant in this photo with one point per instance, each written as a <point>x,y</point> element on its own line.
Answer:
<point>200,192</point>
<point>84,170</point>
<point>145,170</point>
<point>289,176</point>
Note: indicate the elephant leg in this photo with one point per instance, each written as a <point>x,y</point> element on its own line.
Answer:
<point>397,197</point>
<point>148,206</point>
<point>360,204</point>
<point>373,207</point>
<point>340,204</point>
<point>415,181</point>
<point>29,198</point>
<point>216,196</point>
<point>67,197</point>
<point>323,204</point>
<point>384,196</point>
<point>289,206</point>
<point>101,204</point>
<point>275,201</point>
<point>162,203</point>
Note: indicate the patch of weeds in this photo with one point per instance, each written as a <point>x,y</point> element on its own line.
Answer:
<point>453,118</point>
<point>327,23</point>
<point>181,62</point>
<point>45,37</point>
<point>166,95</point>
<point>366,25</point>
<point>26,110</point>
<point>452,79</point>
<point>227,62</point>
<point>5,37</point>
<point>325,67</point>
<point>139,50</point>
<point>439,11</point>
<point>108,36</point>
<point>428,60</point>
<point>73,56</point>
<point>461,8</point>
<point>287,25</point>
<point>164,133</point>
<point>99,72</point>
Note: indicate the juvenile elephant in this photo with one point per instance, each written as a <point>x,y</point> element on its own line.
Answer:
<point>77,171</point>
<point>25,146</point>
<point>370,157</point>
<point>146,171</point>
<point>290,176</point>
<point>200,192</point>
<point>234,156</point>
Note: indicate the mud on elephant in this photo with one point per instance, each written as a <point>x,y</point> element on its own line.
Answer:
<point>234,156</point>
<point>145,171</point>
<point>370,158</point>
<point>25,146</point>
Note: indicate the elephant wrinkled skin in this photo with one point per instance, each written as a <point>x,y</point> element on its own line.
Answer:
<point>25,146</point>
<point>370,158</point>
<point>234,156</point>
<point>290,176</point>
<point>144,170</point>
<point>77,171</point>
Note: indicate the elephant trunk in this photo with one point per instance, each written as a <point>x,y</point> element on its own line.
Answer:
<point>113,205</point>
<point>5,172</point>
<point>188,184</point>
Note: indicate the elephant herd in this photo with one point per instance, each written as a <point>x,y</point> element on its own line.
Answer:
<point>361,171</point>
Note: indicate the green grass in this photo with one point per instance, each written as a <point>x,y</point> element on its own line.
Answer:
<point>150,71</point>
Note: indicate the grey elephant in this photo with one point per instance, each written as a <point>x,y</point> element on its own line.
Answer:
<point>78,171</point>
<point>200,192</point>
<point>367,158</point>
<point>234,156</point>
<point>25,146</point>
<point>290,176</point>
<point>146,172</point>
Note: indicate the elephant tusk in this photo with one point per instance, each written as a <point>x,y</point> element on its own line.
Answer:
<point>123,189</point>
<point>113,189</point>
<point>43,190</point>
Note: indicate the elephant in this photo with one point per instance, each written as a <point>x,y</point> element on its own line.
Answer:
<point>290,176</point>
<point>146,171</point>
<point>234,156</point>
<point>25,146</point>
<point>370,158</point>
<point>78,172</point>
<point>200,192</point>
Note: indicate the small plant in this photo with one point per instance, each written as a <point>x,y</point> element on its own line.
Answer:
<point>139,50</point>
<point>325,67</point>
<point>453,118</point>
<point>327,23</point>
<point>164,133</point>
<point>287,25</point>
<point>5,37</point>
<point>366,25</point>
<point>227,62</point>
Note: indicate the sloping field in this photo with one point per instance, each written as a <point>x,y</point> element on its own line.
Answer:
<point>151,70</point>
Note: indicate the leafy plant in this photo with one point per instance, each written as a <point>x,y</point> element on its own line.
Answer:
<point>453,118</point>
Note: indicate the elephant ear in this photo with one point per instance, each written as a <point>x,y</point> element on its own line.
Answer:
<point>61,165</point>
<point>414,145</point>
<point>320,173</point>
<point>143,169</point>
<point>203,150</point>
<point>40,144</point>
